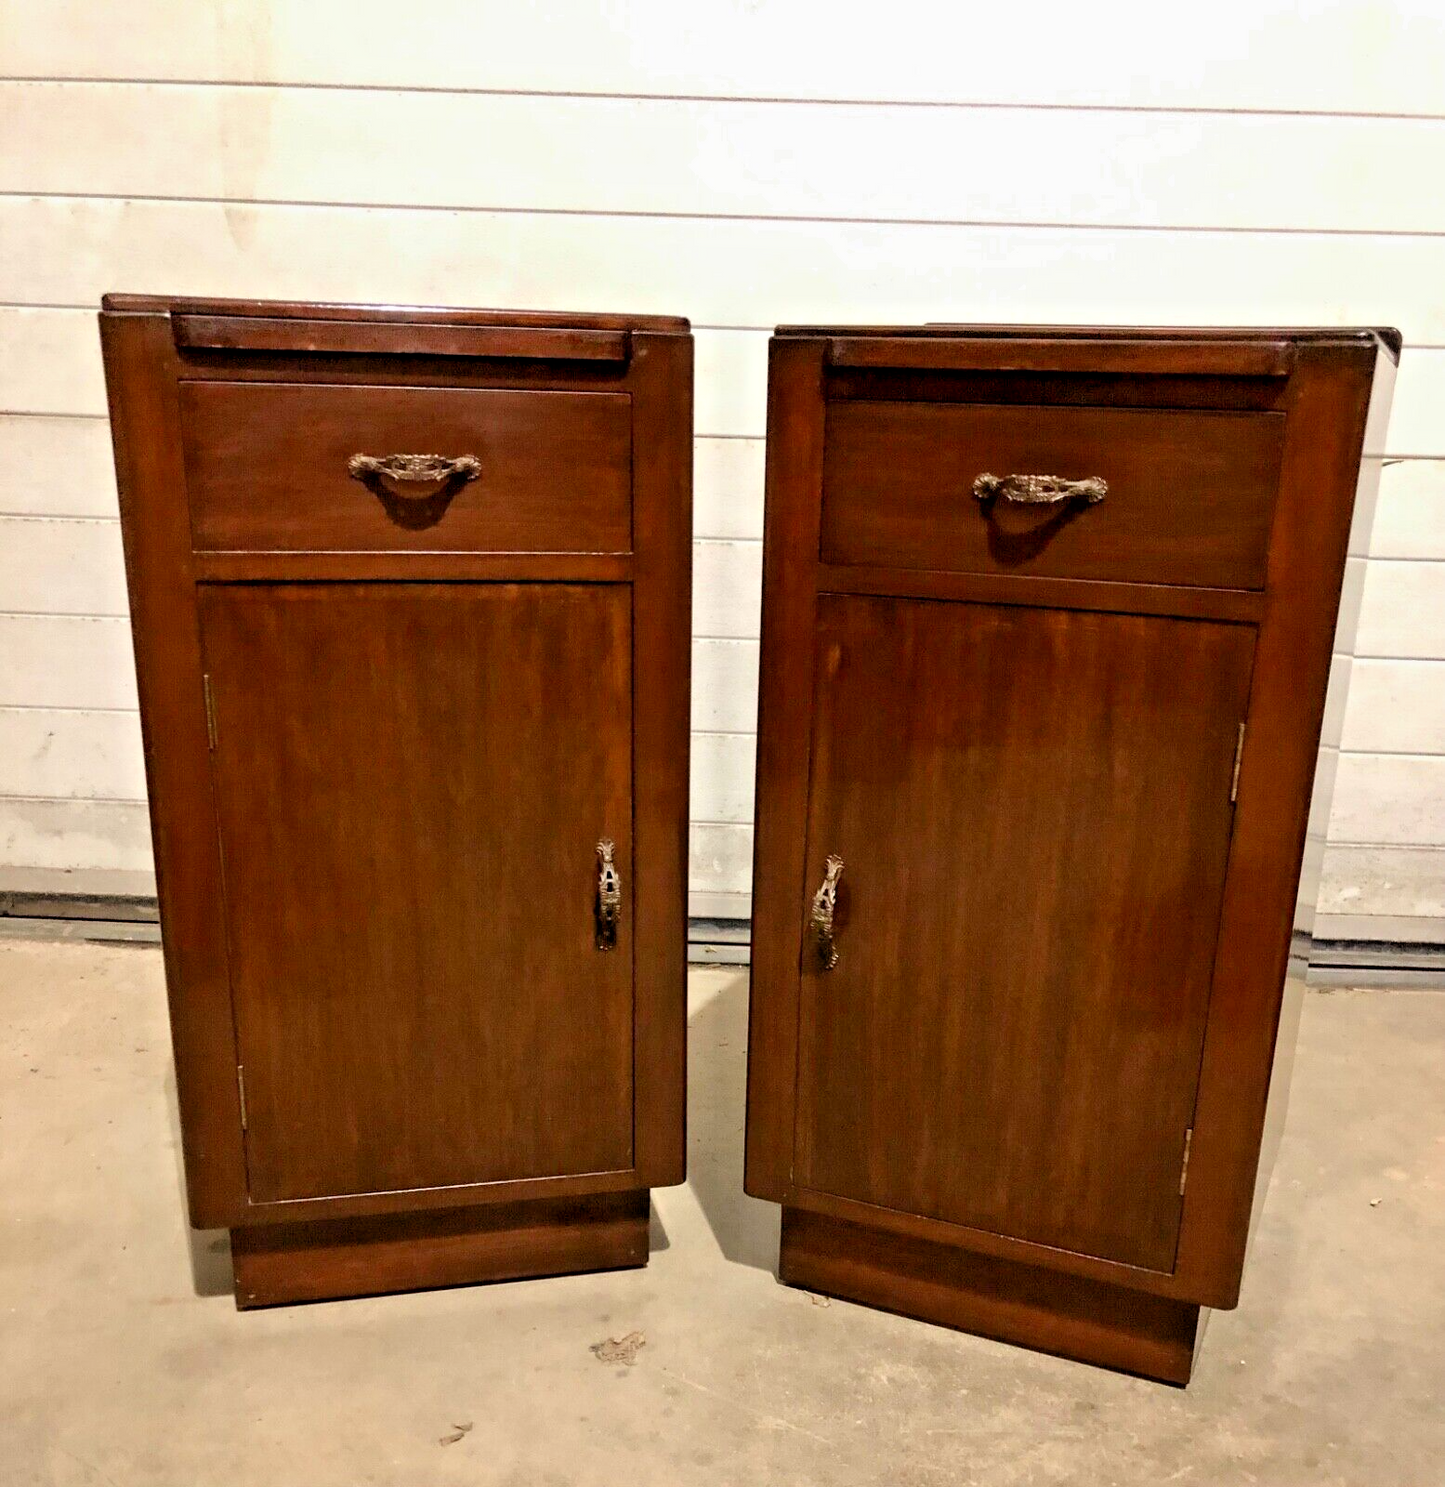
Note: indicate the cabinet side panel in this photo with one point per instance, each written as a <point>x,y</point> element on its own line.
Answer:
<point>1308,548</point>
<point>790,552</point>
<point>661,383</point>
<point>140,373</point>
<point>1367,488</point>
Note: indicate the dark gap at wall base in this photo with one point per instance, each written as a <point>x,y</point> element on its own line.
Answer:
<point>115,907</point>
<point>1381,965</point>
<point>125,918</point>
<point>720,942</point>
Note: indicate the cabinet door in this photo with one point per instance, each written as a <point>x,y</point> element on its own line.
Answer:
<point>411,783</point>
<point>1033,812</point>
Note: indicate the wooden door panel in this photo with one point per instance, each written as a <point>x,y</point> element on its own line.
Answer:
<point>411,780</point>
<point>1033,809</point>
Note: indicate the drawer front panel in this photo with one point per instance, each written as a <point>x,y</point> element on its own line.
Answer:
<point>1190,494</point>
<point>268,468</point>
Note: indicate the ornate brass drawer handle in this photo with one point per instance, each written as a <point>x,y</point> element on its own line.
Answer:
<point>825,901</point>
<point>609,896</point>
<point>416,477</point>
<point>1041,490</point>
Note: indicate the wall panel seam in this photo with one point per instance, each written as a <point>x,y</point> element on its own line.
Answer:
<point>1386,846</point>
<point>77,800</point>
<point>61,614</point>
<point>1334,842</point>
<point>992,223</point>
<point>1435,756</point>
<point>60,518</point>
<point>781,99</point>
<point>42,707</point>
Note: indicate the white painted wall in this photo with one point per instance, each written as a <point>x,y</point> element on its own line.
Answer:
<point>743,162</point>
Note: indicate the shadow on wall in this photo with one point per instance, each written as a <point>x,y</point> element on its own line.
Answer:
<point>745,1228</point>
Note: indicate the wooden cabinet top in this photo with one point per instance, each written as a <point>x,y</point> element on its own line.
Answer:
<point>1162,337</point>
<point>140,304</point>
<point>285,327</point>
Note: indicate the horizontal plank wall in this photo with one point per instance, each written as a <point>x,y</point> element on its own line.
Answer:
<point>741,164</point>
<point>1352,57</point>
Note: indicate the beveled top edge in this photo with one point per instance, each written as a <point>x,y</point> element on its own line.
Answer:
<point>1386,336</point>
<point>386,314</point>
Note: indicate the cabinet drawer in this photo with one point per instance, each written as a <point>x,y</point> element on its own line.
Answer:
<point>269,468</point>
<point>1190,494</point>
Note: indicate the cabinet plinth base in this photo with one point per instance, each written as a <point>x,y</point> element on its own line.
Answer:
<point>280,1263</point>
<point>1074,1317</point>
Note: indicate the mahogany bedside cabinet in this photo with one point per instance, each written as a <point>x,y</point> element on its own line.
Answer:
<point>410,591</point>
<point>1047,630</point>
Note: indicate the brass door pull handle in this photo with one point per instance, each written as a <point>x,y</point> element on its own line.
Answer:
<point>825,902</point>
<point>609,896</point>
<point>414,477</point>
<point>1041,490</point>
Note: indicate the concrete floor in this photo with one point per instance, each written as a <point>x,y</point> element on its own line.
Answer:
<point>113,1370</point>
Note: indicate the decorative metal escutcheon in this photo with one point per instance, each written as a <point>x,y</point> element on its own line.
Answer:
<point>825,902</point>
<point>415,477</point>
<point>415,490</point>
<point>609,896</point>
<point>406,470</point>
<point>1040,490</point>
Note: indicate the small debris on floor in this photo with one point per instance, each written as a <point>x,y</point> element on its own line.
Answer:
<point>458,1431</point>
<point>620,1349</point>
<point>1374,1202</point>
<point>818,1300</point>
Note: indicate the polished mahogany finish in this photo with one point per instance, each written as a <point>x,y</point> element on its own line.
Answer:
<point>269,468</point>
<point>411,605</point>
<point>982,771</point>
<point>259,333</point>
<point>1046,634</point>
<point>457,1023</point>
<point>280,1263</point>
<point>1189,494</point>
<point>1035,1306</point>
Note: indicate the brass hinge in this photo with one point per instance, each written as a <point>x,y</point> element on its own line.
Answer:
<point>241,1090</point>
<point>1184,1166</point>
<point>210,709</point>
<point>1238,755</point>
